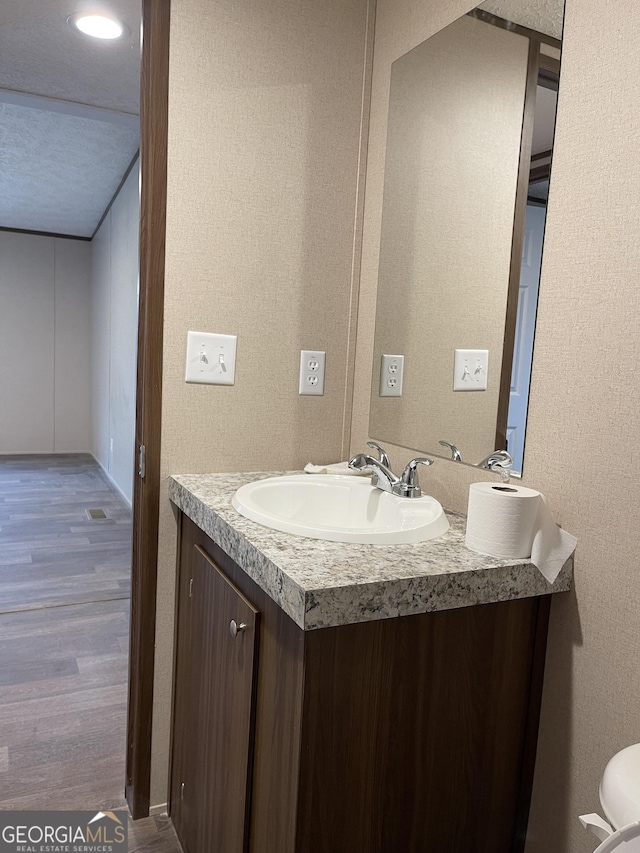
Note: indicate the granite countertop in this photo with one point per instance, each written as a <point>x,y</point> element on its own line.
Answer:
<point>321,584</point>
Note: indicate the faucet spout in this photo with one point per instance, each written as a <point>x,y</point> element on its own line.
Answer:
<point>383,477</point>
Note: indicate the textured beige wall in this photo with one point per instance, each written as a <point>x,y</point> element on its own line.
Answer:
<point>582,446</point>
<point>265,111</point>
<point>582,442</point>
<point>451,168</point>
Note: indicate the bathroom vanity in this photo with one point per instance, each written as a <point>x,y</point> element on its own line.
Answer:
<point>332,698</point>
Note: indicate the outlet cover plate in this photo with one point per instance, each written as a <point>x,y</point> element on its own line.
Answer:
<point>211,358</point>
<point>312,363</point>
<point>391,375</point>
<point>470,369</point>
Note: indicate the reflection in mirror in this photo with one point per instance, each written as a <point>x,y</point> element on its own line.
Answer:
<point>469,147</point>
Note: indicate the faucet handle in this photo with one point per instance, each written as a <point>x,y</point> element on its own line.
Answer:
<point>409,487</point>
<point>410,473</point>
<point>382,453</point>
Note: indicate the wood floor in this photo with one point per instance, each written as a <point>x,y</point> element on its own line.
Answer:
<point>51,553</point>
<point>64,613</point>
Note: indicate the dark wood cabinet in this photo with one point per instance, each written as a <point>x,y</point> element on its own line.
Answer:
<point>214,710</point>
<point>414,734</point>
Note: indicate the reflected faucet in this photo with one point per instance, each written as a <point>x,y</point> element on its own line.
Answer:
<point>497,459</point>
<point>456,456</point>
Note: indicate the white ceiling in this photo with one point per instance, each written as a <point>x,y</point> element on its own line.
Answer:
<point>64,152</point>
<point>59,172</point>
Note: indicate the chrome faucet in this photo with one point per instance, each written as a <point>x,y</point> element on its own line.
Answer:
<point>497,459</point>
<point>456,456</point>
<point>405,486</point>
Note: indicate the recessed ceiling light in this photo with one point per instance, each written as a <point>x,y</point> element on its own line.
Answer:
<point>97,25</point>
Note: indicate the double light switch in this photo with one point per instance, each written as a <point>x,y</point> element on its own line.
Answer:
<point>470,369</point>
<point>211,359</point>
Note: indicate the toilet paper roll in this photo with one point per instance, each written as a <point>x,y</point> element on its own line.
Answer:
<point>501,519</point>
<point>515,523</point>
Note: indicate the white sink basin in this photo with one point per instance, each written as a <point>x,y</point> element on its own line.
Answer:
<point>340,509</point>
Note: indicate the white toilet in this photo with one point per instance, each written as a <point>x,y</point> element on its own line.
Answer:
<point>620,798</point>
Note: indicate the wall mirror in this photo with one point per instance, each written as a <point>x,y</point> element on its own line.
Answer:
<point>468,158</point>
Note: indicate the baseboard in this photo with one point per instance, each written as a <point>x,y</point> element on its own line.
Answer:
<point>46,452</point>
<point>113,482</point>
<point>158,810</point>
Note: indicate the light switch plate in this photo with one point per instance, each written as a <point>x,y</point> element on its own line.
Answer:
<point>211,359</point>
<point>311,372</point>
<point>391,375</point>
<point>470,369</point>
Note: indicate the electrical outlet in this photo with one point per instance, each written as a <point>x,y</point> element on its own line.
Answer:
<point>211,359</point>
<point>470,369</point>
<point>311,372</point>
<point>391,375</point>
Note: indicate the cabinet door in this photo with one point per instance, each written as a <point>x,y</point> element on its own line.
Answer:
<point>214,710</point>
<point>185,700</point>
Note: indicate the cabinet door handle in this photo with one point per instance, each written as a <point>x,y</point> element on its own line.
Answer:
<point>234,628</point>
